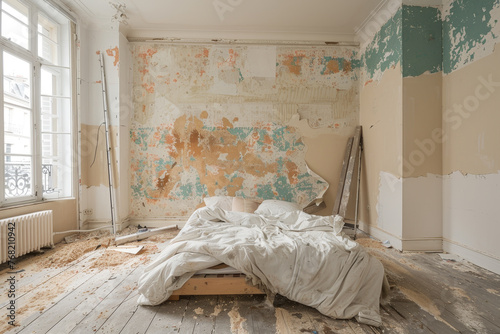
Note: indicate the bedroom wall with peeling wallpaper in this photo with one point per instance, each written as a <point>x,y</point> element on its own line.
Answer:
<point>237,121</point>
<point>429,107</point>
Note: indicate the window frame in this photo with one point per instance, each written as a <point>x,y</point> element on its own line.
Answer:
<point>31,56</point>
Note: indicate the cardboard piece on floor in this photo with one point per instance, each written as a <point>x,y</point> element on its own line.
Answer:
<point>130,250</point>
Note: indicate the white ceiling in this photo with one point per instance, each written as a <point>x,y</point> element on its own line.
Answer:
<point>313,20</point>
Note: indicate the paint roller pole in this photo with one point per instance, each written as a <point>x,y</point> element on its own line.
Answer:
<point>108,143</point>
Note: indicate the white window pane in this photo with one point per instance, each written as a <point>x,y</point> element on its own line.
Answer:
<point>56,115</point>
<point>18,134</point>
<point>56,166</point>
<point>56,81</point>
<point>17,129</point>
<point>48,40</point>
<point>48,50</point>
<point>15,31</point>
<point>17,80</point>
<point>18,176</point>
<point>16,9</point>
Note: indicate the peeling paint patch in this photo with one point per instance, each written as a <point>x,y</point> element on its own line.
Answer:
<point>385,50</point>
<point>422,40</point>
<point>181,163</point>
<point>471,30</point>
<point>114,52</point>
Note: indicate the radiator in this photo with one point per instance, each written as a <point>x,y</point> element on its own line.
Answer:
<point>32,232</point>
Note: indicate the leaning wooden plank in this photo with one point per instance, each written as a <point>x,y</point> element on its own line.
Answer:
<point>213,285</point>
<point>143,235</point>
<point>350,170</point>
<point>343,172</point>
<point>313,208</point>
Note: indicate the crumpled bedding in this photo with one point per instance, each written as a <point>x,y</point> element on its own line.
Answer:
<point>303,257</point>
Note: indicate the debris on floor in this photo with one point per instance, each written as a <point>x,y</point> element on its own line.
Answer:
<point>450,257</point>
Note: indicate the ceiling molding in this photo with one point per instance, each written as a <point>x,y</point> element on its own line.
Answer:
<point>201,41</point>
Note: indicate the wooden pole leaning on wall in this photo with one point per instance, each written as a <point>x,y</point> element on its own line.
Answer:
<point>352,157</point>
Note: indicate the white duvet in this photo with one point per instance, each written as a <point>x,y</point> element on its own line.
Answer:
<point>303,257</point>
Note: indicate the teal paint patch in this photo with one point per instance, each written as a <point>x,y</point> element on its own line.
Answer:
<point>137,191</point>
<point>265,191</point>
<point>241,133</point>
<point>422,40</point>
<point>185,191</point>
<point>385,50</point>
<point>467,26</point>
<point>141,137</point>
<point>162,164</point>
<point>284,189</point>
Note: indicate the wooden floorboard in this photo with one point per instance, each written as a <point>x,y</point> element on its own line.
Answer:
<point>428,295</point>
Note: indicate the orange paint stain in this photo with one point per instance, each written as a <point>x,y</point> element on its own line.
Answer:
<point>114,52</point>
<point>294,64</point>
<point>145,56</point>
<point>347,66</point>
<point>332,66</point>
<point>204,114</point>
<point>150,88</point>
<point>226,123</point>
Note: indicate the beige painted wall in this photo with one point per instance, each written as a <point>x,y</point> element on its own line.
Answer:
<point>64,214</point>
<point>473,138</point>
<point>471,161</point>
<point>422,135</point>
<point>422,163</point>
<point>381,118</point>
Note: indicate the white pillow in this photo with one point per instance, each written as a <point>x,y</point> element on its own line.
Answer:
<point>272,207</point>
<point>223,202</point>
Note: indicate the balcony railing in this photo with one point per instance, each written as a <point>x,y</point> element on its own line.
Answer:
<point>18,179</point>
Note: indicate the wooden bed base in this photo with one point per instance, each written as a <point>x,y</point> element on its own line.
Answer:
<point>218,284</point>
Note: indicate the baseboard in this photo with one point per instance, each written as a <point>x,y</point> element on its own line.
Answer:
<point>429,245</point>
<point>382,235</point>
<point>159,222</point>
<point>93,224</point>
<point>474,256</point>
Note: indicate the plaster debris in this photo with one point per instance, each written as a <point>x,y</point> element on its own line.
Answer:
<point>237,321</point>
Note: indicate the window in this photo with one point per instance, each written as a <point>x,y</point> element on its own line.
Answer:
<point>37,116</point>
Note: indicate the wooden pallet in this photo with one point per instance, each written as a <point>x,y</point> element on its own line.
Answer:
<point>228,284</point>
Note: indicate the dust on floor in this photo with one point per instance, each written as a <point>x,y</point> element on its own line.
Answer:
<point>52,271</point>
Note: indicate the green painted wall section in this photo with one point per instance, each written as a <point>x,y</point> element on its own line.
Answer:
<point>385,50</point>
<point>422,40</point>
<point>467,27</point>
